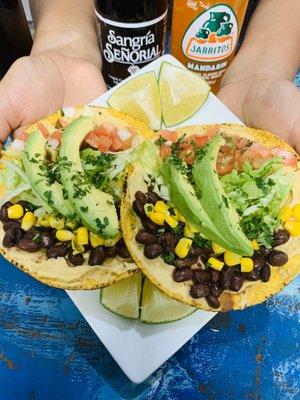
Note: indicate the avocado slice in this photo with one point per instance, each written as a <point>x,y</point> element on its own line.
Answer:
<point>214,200</point>
<point>34,162</point>
<point>95,208</point>
<point>183,196</point>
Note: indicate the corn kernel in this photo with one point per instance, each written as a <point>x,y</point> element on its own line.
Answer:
<point>28,221</point>
<point>231,258</point>
<point>63,235</point>
<point>176,214</point>
<point>255,245</point>
<point>218,249</point>
<point>293,227</point>
<point>171,221</point>
<point>286,213</point>
<point>157,218</point>
<point>76,247</point>
<point>183,247</point>
<point>215,263</point>
<point>113,241</point>
<point>96,240</point>
<point>160,206</point>
<point>182,218</point>
<point>55,222</point>
<point>15,212</point>
<point>148,207</point>
<point>189,231</point>
<point>296,212</point>
<point>70,225</point>
<point>44,220</point>
<point>82,235</point>
<point>246,264</point>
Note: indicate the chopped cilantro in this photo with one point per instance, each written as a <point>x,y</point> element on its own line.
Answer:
<point>84,209</point>
<point>169,258</point>
<point>199,241</point>
<point>160,141</point>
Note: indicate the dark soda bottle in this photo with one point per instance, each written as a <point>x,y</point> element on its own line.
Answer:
<point>15,38</point>
<point>131,33</point>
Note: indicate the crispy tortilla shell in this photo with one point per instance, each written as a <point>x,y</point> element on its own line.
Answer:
<point>160,273</point>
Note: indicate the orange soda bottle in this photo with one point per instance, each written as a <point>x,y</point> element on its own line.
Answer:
<point>205,34</point>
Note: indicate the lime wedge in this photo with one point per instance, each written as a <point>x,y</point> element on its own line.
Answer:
<point>158,308</point>
<point>139,98</point>
<point>123,297</point>
<point>182,93</point>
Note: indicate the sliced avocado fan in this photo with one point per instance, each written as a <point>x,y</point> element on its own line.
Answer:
<point>34,162</point>
<point>214,200</point>
<point>95,208</point>
<point>183,196</point>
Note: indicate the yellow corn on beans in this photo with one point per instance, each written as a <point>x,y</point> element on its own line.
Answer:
<point>231,258</point>
<point>15,212</point>
<point>286,213</point>
<point>218,249</point>
<point>28,221</point>
<point>255,245</point>
<point>246,264</point>
<point>157,217</point>
<point>82,235</point>
<point>55,222</point>
<point>161,206</point>
<point>183,247</point>
<point>188,232</point>
<point>181,218</point>
<point>293,227</point>
<point>148,207</point>
<point>77,248</point>
<point>215,263</point>
<point>44,220</point>
<point>63,235</point>
<point>296,212</point>
<point>70,225</point>
<point>113,241</point>
<point>96,240</point>
<point>176,214</point>
<point>171,221</point>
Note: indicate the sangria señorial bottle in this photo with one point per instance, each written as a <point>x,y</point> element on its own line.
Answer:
<point>205,34</point>
<point>131,33</point>
<point>15,38</point>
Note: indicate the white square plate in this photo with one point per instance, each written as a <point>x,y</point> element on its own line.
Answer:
<point>139,349</point>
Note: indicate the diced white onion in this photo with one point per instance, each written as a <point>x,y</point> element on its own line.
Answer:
<point>53,143</point>
<point>124,134</point>
<point>17,145</point>
<point>14,193</point>
<point>87,111</point>
<point>69,111</point>
<point>39,212</point>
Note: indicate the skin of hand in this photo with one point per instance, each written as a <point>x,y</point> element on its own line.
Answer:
<point>258,86</point>
<point>62,70</point>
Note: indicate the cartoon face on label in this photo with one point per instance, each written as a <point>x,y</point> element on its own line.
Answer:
<point>212,36</point>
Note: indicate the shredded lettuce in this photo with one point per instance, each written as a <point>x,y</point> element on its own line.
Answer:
<point>257,195</point>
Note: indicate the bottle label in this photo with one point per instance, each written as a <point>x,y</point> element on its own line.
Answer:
<point>212,36</point>
<point>127,47</point>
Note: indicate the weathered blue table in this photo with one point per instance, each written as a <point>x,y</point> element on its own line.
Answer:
<point>48,352</point>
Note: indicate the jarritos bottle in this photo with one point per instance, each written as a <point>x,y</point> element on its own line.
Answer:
<point>205,35</point>
<point>132,34</point>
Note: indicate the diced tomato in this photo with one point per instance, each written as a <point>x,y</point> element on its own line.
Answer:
<point>165,151</point>
<point>108,128</point>
<point>56,135</point>
<point>92,140</point>
<point>104,143</point>
<point>168,135</point>
<point>45,132</point>
<point>21,135</point>
<point>200,141</point>
<point>288,158</point>
<point>126,144</point>
<point>188,156</point>
<point>116,143</point>
<point>212,130</point>
<point>101,132</point>
<point>225,167</point>
<point>257,150</point>
<point>63,122</point>
<point>241,143</point>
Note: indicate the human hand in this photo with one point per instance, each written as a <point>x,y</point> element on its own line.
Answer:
<point>267,102</point>
<point>36,86</point>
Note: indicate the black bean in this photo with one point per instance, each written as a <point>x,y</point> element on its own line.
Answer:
<point>213,301</point>
<point>252,275</point>
<point>216,291</point>
<point>140,197</point>
<point>58,250</point>
<point>153,250</point>
<point>138,208</point>
<point>111,251</point>
<point>27,206</point>
<point>46,239</point>
<point>282,236</point>
<point>152,197</point>
<point>265,273</point>
<point>75,259</point>
<point>182,274</point>
<point>9,239</point>
<point>11,224</point>
<point>185,262</point>
<point>97,256</point>
<point>225,278</point>
<point>199,290</point>
<point>169,242</point>
<point>200,276</point>
<point>236,283</point>
<point>195,251</point>
<point>264,251</point>
<point>29,245</point>
<point>3,211</point>
<point>214,275</point>
<point>258,260</point>
<point>149,225</point>
<point>277,258</point>
<point>144,237</point>
<point>122,250</point>
<point>19,235</point>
